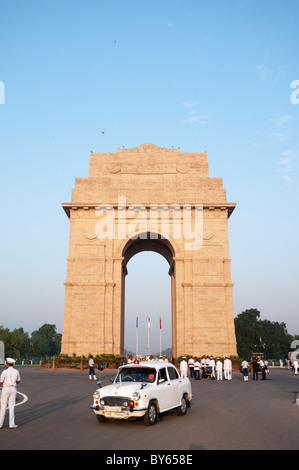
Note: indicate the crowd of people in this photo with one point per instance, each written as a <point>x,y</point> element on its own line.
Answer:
<point>209,367</point>
<point>218,369</point>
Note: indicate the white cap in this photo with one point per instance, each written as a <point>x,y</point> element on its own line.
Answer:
<point>11,361</point>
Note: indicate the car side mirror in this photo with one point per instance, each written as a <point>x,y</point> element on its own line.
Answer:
<point>144,384</point>
<point>99,383</point>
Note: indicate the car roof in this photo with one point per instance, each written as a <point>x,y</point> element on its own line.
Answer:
<point>153,364</point>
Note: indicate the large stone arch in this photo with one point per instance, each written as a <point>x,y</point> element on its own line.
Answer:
<point>158,244</point>
<point>169,191</point>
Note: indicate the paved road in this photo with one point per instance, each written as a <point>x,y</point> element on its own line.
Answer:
<point>224,416</point>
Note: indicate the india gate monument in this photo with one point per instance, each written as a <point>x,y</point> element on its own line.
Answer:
<point>157,199</point>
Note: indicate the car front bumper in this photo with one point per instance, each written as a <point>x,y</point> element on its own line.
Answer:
<point>118,412</point>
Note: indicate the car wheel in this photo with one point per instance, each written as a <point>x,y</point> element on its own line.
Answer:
<point>150,416</point>
<point>182,409</point>
<point>102,419</point>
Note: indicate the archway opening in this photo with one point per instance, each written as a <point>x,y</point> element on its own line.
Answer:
<point>148,306</point>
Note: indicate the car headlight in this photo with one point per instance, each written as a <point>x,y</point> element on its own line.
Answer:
<point>136,396</point>
<point>96,395</point>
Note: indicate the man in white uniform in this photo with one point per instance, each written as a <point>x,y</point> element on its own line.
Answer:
<point>203,366</point>
<point>183,368</point>
<point>227,367</point>
<point>219,367</point>
<point>213,365</point>
<point>9,379</point>
<point>196,369</point>
<point>296,366</point>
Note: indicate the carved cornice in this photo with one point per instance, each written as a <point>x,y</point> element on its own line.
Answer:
<point>68,206</point>
<point>90,284</point>
<point>207,284</point>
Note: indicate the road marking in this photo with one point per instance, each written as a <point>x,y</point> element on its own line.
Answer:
<point>25,398</point>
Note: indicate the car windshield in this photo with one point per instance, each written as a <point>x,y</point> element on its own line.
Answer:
<point>136,374</point>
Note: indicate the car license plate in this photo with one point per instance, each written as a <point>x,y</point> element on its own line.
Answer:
<point>115,415</point>
<point>112,409</point>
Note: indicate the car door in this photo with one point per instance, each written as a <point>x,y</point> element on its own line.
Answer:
<point>164,388</point>
<point>175,381</point>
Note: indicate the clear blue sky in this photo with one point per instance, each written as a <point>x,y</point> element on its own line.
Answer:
<point>198,75</point>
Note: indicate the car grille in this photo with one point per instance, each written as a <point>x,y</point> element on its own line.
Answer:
<point>116,401</point>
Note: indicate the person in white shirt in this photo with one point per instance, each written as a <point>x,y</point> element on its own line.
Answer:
<point>197,369</point>
<point>9,379</point>
<point>207,370</point>
<point>227,367</point>
<point>245,370</point>
<point>219,367</point>
<point>183,368</point>
<point>191,366</point>
<point>213,365</point>
<point>296,366</point>
<point>262,366</point>
<point>91,368</point>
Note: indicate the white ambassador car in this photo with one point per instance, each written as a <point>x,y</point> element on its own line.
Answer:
<point>143,390</point>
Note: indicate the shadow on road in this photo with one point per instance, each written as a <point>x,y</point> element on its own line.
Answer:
<point>46,408</point>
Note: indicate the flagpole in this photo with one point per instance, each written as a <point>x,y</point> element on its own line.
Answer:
<point>136,337</point>
<point>160,338</point>
<point>148,336</point>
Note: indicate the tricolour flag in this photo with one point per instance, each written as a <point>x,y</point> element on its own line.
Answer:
<point>160,324</point>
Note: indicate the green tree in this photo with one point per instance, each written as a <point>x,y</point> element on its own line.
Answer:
<point>46,341</point>
<point>248,332</point>
<point>275,339</point>
<point>16,342</point>
<point>255,335</point>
